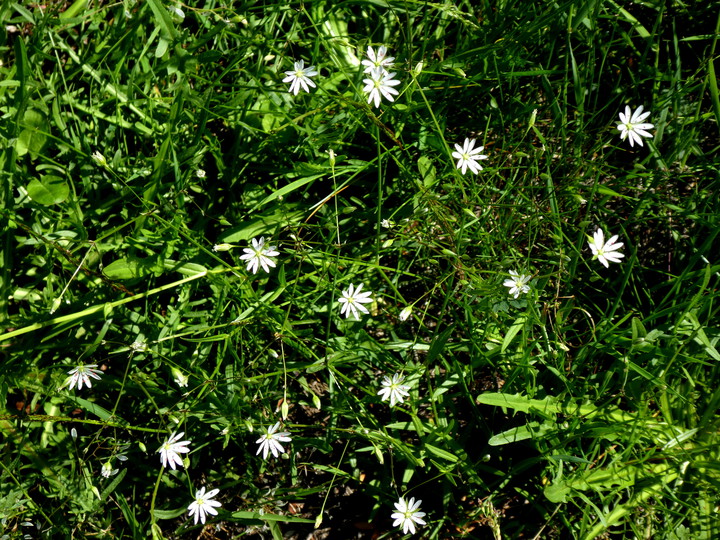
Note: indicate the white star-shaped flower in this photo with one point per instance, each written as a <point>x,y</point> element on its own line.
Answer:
<point>377,60</point>
<point>393,389</point>
<point>81,375</point>
<point>203,504</point>
<point>379,84</point>
<point>468,156</point>
<point>270,442</point>
<point>518,283</point>
<point>259,255</point>
<point>352,300</point>
<point>605,251</point>
<point>633,127</point>
<point>300,77</point>
<point>407,515</point>
<point>171,449</point>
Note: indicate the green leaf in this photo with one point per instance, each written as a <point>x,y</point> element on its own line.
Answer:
<point>604,190</point>
<point>557,493</point>
<point>163,20</point>
<point>111,487</point>
<point>48,190</point>
<point>427,171</point>
<point>254,516</point>
<point>265,225</point>
<point>74,10</point>
<point>97,410</point>
<point>169,514</point>
<point>443,454</point>
<point>137,267</point>
<point>34,135</point>
<point>532,430</point>
<point>512,332</point>
<point>184,268</point>
<point>131,268</point>
<point>519,402</point>
<point>289,188</point>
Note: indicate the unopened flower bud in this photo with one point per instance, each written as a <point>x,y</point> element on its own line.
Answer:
<point>99,159</point>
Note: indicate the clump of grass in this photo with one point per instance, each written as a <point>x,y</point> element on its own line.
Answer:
<point>259,279</point>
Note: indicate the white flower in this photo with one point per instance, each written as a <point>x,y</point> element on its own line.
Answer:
<point>180,378</point>
<point>171,449</point>
<point>393,389</point>
<point>377,60</point>
<point>352,300</point>
<point>633,127</point>
<point>80,375</point>
<point>203,504</point>
<point>405,314</point>
<point>380,83</point>
<point>407,515</point>
<point>259,255</point>
<point>605,251</point>
<point>300,77</point>
<point>518,283</point>
<point>270,442</point>
<point>107,471</point>
<point>467,156</point>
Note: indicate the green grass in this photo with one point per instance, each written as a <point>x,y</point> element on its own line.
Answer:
<point>586,408</point>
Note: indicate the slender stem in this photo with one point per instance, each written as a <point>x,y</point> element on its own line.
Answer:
<point>105,423</point>
<point>101,307</point>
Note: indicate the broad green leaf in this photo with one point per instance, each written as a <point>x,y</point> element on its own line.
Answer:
<point>427,171</point>
<point>132,268</point>
<point>532,430</point>
<point>135,267</point>
<point>163,19</point>
<point>638,330</point>
<point>48,190</point>
<point>557,493</point>
<point>34,135</point>
<point>184,268</point>
<point>512,332</point>
<point>519,402</point>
